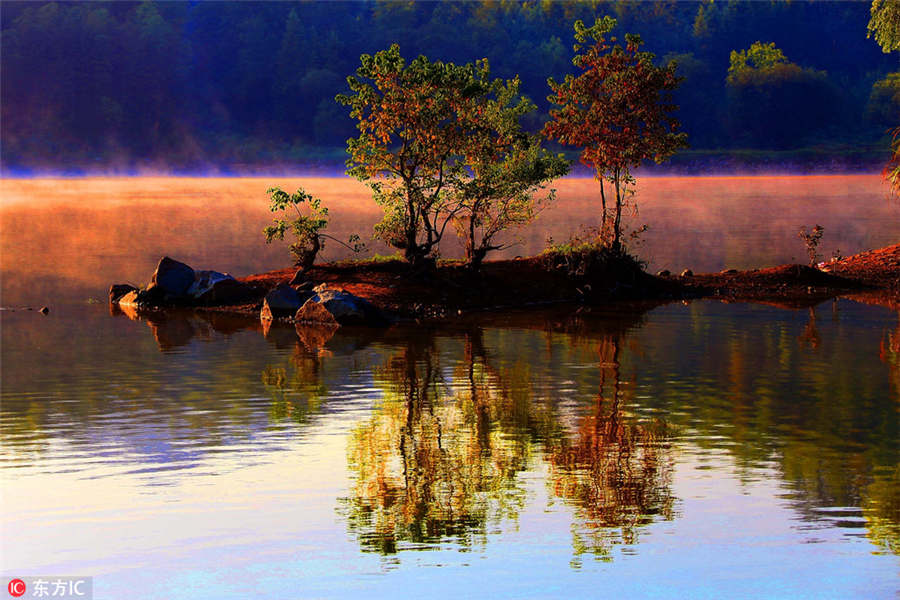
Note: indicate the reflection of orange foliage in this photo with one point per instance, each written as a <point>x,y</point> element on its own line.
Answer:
<point>889,353</point>
<point>615,472</point>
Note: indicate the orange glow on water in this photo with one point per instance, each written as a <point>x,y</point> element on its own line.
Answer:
<point>81,235</point>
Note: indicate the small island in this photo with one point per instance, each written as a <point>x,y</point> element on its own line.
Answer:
<point>376,293</point>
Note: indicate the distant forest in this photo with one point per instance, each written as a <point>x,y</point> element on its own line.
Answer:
<point>241,87</point>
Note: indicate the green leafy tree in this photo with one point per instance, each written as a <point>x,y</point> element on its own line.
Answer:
<point>306,225</point>
<point>885,24</point>
<point>508,171</point>
<point>410,140</point>
<point>891,171</point>
<point>441,143</point>
<point>618,110</point>
<point>758,56</point>
<point>774,102</point>
<point>884,100</point>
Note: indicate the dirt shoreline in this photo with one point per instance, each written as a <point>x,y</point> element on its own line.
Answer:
<point>526,283</point>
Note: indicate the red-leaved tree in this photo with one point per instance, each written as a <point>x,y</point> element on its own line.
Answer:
<point>618,110</point>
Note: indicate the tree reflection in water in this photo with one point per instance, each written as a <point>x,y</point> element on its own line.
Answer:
<point>459,418</point>
<point>439,459</point>
<point>433,463</point>
<point>615,472</point>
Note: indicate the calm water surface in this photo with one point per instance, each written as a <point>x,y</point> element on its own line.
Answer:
<point>698,450</point>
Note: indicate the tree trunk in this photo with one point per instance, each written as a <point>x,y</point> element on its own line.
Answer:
<point>476,258</point>
<point>617,224</point>
<point>603,209</point>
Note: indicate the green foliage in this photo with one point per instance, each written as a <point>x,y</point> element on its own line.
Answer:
<point>884,100</point>
<point>885,24</point>
<point>305,226</point>
<point>758,57</point>
<point>90,86</point>
<point>618,110</point>
<point>441,143</point>
<point>411,133</point>
<point>811,239</point>
<point>771,99</point>
<point>588,257</point>
<point>891,171</point>
<point>506,172</point>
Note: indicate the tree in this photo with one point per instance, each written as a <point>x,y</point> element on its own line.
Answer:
<point>618,110</point>
<point>506,167</point>
<point>410,139</point>
<point>885,24</point>
<point>891,171</point>
<point>307,227</point>
<point>884,100</point>
<point>773,102</point>
<point>446,146</point>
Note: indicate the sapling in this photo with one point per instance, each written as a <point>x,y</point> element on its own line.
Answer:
<point>307,226</point>
<point>811,239</point>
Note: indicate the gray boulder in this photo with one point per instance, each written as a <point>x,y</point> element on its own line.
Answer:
<point>212,287</point>
<point>172,277</point>
<point>337,306</point>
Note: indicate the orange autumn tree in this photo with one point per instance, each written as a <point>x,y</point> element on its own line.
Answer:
<point>410,141</point>
<point>618,110</point>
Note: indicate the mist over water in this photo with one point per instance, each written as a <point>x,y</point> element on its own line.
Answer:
<point>69,239</point>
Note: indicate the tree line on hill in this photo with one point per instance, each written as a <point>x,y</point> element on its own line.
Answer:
<point>189,87</point>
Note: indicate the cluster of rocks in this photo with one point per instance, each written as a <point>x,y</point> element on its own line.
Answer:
<point>320,305</point>
<point>176,284</point>
<point>668,273</point>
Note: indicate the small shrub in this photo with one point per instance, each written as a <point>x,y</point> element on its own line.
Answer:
<point>306,226</point>
<point>812,239</point>
<point>586,258</point>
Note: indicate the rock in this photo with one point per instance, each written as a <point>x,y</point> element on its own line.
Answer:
<point>337,306</point>
<point>129,299</point>
<point>153,296</point>
<point>44,310</point>
<point>663,273</point>
<point>728,272</point>
<point>314,312</point>
<point>687,273</point>
<point>172,277</point>
<point>118,290</point>
<point>283,301</point>
<point>212,287</point>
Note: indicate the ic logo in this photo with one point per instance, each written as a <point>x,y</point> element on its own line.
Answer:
<point>16,588</point>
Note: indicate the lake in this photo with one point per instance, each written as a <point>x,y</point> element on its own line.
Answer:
<point>699,449</point>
